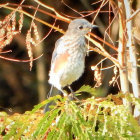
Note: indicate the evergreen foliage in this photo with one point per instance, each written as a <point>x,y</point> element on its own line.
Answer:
<point>93,118</point>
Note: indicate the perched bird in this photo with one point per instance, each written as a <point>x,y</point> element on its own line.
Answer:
<point>68,58</point>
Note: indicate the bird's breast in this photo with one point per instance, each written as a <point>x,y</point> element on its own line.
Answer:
<point>75,66</point>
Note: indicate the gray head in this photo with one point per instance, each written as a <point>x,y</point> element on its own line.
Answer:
<point>80,27</point>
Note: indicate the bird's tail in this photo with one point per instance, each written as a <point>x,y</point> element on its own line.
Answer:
<point>48,96</point>
<point>50,92</point>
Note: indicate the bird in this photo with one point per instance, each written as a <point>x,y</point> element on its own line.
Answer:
<point>68,58</point>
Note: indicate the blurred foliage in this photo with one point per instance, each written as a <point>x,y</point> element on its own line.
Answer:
<point>93,118</point>
<point>20,87</point>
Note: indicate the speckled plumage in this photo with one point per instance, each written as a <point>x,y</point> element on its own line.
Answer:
<point>68,59</point>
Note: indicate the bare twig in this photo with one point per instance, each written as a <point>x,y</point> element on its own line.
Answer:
<point>122,54</point>
<point>132,54</point>
<point>52,9</point>
<point>17,60</point>
<point>31,16</point>
<point>108,44</point>
<point>133,15</point>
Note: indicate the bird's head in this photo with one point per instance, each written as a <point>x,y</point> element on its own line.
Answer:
<point>80,27</point>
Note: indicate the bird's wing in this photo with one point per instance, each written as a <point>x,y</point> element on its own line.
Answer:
<point>55,52</point>
<point>60,56</point>
<point>60,62</point>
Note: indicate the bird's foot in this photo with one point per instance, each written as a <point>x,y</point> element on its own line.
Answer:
<point>72,96</point>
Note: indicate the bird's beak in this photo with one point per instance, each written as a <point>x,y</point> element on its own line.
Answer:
<point>94,26</point>
<point>90,27</point>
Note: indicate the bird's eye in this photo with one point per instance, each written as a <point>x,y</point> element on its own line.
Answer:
<point>80,27</point>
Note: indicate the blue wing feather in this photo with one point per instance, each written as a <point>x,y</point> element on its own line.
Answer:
<point>54,55</point>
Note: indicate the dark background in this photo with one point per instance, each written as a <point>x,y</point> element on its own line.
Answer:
<point>21,89</point>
